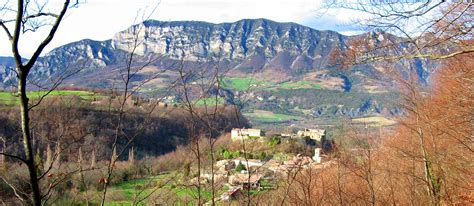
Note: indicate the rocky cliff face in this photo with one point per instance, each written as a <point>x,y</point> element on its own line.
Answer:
<point>200,41</point>
<point>248,45</point>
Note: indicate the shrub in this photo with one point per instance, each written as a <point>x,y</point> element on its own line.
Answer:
<point>240,167</point>
<point>274,141</point>
<point>253,137</point>
<point>227,155</point>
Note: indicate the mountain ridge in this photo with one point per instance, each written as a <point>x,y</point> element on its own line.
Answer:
<point>286,58</point>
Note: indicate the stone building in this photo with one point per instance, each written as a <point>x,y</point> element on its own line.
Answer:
<point>245,181</point>
<point>239,134</point>
<point>314,134</point>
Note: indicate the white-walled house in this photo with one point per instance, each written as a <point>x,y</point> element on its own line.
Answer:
<point>239,134</point>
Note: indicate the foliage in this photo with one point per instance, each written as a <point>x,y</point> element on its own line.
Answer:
<point>240,167</point>
<point>275,140</point>
<point>226,154</point>
<point>421,161</point>
<point>80,123</point>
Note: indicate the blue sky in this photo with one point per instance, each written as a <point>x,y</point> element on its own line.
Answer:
<point>101,19</point>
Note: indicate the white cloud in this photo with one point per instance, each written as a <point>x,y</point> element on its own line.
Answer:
<point>101,19</point>
<point>232,10</point>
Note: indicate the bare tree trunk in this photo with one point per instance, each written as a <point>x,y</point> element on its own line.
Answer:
<point>49,157</point>
<point>22,18</point>
<point>131,157</point>
<point>93,160</point>
<point>57,155</point>
<point>339,183</point>
<point>3,163</point>
<point>198,153</point>
<point>25,128</point>
<point>370,178</point>
<point>213,188</point>
<point>432,187</point>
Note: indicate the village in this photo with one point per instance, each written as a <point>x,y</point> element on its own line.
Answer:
<point>241,175</point>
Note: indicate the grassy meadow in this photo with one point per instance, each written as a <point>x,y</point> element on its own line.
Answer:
<point>263,116</point>
<point>246,83</point>
<point>11,98</point>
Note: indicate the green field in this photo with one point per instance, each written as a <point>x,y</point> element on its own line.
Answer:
<point>135,189</point>
<point>191,192</point>
<point>245,83</point>
<point>130,190</point>
<point>270,117</point>
<point>7,98</point>
<point>12,98</point>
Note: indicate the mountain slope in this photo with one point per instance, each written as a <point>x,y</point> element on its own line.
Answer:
<point>289,61</point>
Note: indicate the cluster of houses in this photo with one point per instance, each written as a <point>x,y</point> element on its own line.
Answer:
<point>238,134</point>
<point>257,170</point>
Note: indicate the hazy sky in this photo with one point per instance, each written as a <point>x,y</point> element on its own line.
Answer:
<point>101,19</point>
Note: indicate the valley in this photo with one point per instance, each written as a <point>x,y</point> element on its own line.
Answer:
<point>284,68</point>
<point>213,103</point>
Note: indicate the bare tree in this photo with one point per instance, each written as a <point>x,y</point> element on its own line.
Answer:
<point>437,31</point>
<point>29,17</point>
<point>133,65</point>
<point>424,29</point>
<point>3,163</point>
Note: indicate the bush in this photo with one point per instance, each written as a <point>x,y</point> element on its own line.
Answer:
<point>253,137</point>
<point>274,141</point>
<point>227,155</point>
<point>240,167</point>
<point>236,154</point>
<point>123,173</point>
